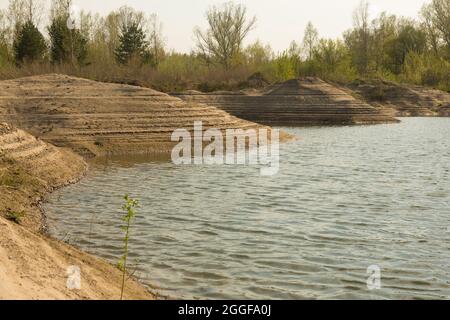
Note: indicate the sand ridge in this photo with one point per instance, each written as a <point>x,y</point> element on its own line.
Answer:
<point>298,102</point>
<point>94,118</point>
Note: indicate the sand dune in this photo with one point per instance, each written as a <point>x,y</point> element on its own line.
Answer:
<point>298,102</point>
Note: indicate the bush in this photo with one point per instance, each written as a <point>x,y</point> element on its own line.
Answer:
<point>426,69</point>
<point>15,217</point>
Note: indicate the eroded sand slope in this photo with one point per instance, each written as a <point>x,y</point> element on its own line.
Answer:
<point>29,168</point>
<point>298,102</point>
<point>403,100</point>
<point>95,118</point>
<point>33,266</point>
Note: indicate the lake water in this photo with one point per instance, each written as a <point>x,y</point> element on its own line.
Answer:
<point>345,199</point>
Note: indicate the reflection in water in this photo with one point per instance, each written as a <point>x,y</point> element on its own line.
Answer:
<point>346,198</point>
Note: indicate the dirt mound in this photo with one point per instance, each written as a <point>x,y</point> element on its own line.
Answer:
<point>297,102</point>
<point>33,266</point>
<point>95,118</point>
<point>403,100</point>
<point>256,81</point>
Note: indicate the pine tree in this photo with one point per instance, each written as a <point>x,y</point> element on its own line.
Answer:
<point>67,45</point>
<point>29,44</point>
<point>132,43</point>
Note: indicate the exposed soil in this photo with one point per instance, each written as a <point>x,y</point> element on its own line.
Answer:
<point>94,118</point>
<point>62,114</point>
<point>403,100</point>
<point>33,266</point>
<point>298,102</point>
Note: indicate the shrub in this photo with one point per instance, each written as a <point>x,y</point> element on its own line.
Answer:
<point>15,217</point>
<point>129,208</point>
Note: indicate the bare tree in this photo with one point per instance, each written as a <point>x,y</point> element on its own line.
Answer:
<point>17,14</point>
<point>111,32</point>
<point>427,17</point>
<point>60,8</point>
<point>362,27</point>
<point>156,38</point>
<point>127,16</point>
<point>223,40</point>
<point>4,28</point>
<point>441,18</point>
<point>310,39</point>
<point>21,11</point>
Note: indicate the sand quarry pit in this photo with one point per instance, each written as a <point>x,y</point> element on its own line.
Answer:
<point>298,102</point>
<point>94,118</point>
<point>47,123</point>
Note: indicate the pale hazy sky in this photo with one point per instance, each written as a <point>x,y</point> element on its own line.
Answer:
<point>279,21</point>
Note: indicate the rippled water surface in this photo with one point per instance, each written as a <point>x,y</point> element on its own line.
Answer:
<point>346,198</point>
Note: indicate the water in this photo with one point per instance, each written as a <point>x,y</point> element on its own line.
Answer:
<point>346,198</point>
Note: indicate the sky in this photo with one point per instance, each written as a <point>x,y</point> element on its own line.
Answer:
<point>278,21</point>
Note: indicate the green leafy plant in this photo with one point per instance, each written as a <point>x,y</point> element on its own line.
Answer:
<point>129,207</point>
<point>14,216</point>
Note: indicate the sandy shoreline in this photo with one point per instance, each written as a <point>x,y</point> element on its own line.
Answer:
<point>34,266</point>
<point>62,126</point>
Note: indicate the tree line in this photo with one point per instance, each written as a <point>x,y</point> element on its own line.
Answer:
<point>128,45</point>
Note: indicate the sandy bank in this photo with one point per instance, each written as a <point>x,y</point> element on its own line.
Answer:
<point>33,266</point>
<point>94,118</point>
<point>91,118</point>
<point>403,100</point>
<point>298,102</point>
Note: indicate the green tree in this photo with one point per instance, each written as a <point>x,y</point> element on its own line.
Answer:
<point>384,31</point>
<point>29,44</point>
<point>359,39</point>
<point>287,66</point>
<point>409,39</point>
<point>258,54</point>
<point>328,54</point>
<point>67,45</point>
<point>132,44</point>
